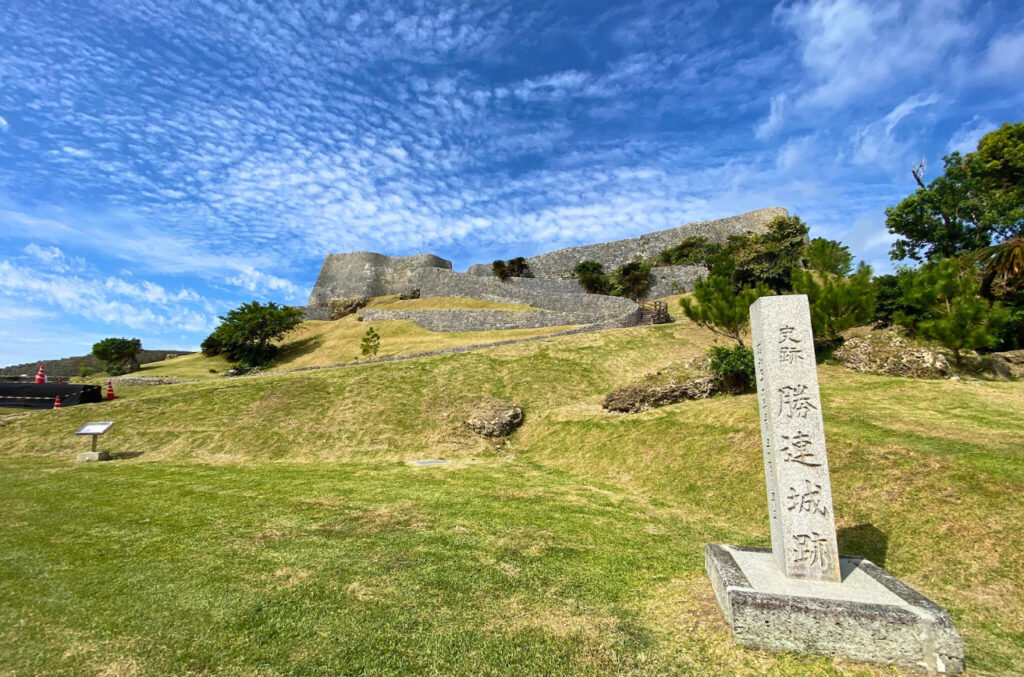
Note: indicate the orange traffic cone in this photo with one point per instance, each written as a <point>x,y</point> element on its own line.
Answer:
<point>40,375</point>
<point>56,403</point>
<point>110,390</point>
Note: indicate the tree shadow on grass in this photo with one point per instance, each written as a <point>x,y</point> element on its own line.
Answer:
<point>299,348</point>
<point>864,540</point>
<point>125,455</point>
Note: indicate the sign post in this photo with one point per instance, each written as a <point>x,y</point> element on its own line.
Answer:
<point>94,429</point>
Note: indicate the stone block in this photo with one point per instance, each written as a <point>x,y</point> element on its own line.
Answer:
<point>869,616</point>
<point>93,456</point>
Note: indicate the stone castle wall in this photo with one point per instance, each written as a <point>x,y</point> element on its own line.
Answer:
<point>560,264</point>
<point>370,274</point>
<point>551,289</point>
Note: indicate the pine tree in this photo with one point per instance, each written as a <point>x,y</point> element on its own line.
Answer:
<point>837,303</point>
<point>720,307</point>
<point>944,305</point>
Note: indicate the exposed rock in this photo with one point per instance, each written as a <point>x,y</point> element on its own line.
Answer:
<point>494,418</point>
<point>1009,364</point>
<point>407,295</point>
<point>641,396</point>
<point>343,307</point>
<point>889,352</point>
<point>130,380</point>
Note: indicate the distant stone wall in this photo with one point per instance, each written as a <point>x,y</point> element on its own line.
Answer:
<point>561,263</point>
<point>477,320</point>
<point>322,313</point>
<point>370,274</point>
<point>664,280</point>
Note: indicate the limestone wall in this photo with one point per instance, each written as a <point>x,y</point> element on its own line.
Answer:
<point>476,320</point>
<point>370,274</point>
<point>560,264</point>
<point>664,280</point>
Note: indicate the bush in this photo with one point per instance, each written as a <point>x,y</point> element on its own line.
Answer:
<point>516,267</point>
<point>732,367</point>
<point>828,257</point>
<point>1012,335</point>
<point>691,251</point>
<point>590,275</point>
<point>85,371</point>
<point>836,303</point>
<point>246,333</point>
<point>370,343</point>
<point>631,280</point>
<point>766,258</point>
<point>211,345</point>
<point>720,307</point>
<point>119,355</point>
<point>943,305</point>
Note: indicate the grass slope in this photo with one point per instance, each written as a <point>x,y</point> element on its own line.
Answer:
<point>269,525</point>
<point>323,343</point>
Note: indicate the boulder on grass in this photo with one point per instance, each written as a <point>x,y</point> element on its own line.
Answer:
<point>1009,364</point>
<point>641,396</point>
<point>494,418</point>
<point>890,352</point>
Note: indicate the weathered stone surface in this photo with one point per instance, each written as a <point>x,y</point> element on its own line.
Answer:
<point>668,280</point>
<point>90,456</point>
<point>1009,364</point>
<point>870,616</point>
<point>370,274</point>
<point>344,307</point>
<point>317,313</point>
<point>793,439</point>
<point>562,263</point>
<point>637,397</point>
<point>890,352</point>
<point>494,418</point>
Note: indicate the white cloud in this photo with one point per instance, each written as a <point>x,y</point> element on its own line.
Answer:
<point>854,48</point>
<point>3,124</point>
<point>965,140</point>
<point>1004,56</point>
<point>876,144</point>
<point>771,124</point>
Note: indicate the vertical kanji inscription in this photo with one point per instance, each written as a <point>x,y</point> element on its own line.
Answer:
<point>793,439</point>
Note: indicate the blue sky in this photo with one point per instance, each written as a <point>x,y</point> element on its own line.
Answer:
<point>162,162</point>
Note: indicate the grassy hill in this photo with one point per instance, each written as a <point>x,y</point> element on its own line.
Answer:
<point>271,524</point>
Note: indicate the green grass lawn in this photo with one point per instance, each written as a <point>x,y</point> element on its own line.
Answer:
<point>270,525</point>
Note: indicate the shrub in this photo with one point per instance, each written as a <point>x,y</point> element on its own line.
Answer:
<point>85,371</point>
<point>828,257</point>
<point>118,355</point>
<point>370,343</point>
<point>246,333</point>
<point>943,305</point>
<point>836,303</point>
<point>1012,335</point>
<point>516,267</point>
<point>500,270</point>
<point>766,258</point>
<point>590,275</point>
<point>211,345</point>
<point>691,251</point>
<point>721,307</point>
<point>732,367</point>
<point>631,280</point>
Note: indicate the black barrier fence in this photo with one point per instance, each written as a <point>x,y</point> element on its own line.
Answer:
<point>42,395</point>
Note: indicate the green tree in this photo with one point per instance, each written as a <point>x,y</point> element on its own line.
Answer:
<point>590,275</point>
<point>889,296</point>
<point>370,343</point>
<point>631,280</point>
<point>246,334</point>
<point>766,258</point>
<point>691,251</point>
<point>943,305</point>
<point>836,303</point>
<point>828,257</point>
<point>118,355</point>
<point>720,307</point>
<point>977,202</point>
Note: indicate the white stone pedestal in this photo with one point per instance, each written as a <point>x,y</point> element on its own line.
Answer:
<point>94,456</point>
<point>868,616</point>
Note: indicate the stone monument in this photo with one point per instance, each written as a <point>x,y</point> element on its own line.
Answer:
<point>802,595</point>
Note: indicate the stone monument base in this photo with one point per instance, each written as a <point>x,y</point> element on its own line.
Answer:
<point>870,616</point>
<point>93,456</point>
